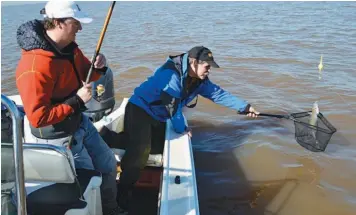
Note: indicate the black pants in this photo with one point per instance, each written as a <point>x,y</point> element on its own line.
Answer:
<point>145,136</point>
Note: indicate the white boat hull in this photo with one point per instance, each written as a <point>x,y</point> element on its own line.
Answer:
<point>176,197</point>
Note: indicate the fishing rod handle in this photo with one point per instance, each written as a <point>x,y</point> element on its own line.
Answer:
<point>91,67</point>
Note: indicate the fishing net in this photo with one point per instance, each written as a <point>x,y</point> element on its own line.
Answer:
<point>314,138</point>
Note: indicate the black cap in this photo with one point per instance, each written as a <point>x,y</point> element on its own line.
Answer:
<point>204,54</point>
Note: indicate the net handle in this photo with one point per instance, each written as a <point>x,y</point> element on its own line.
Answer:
<point>271,115</point>
<point>332,128</point>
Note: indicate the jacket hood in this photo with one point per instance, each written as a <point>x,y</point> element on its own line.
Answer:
<point>30,35</point>
<point>181,63</point>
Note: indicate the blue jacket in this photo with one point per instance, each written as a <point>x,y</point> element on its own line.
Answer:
<point>169,79</point>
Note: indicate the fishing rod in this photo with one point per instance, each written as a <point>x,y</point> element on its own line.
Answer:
<point>101,38</point>
<point>97,49</point>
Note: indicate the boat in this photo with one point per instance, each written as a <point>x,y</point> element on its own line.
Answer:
<point>48,183</point>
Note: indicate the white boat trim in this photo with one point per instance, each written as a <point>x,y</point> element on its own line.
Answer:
<point>178,161</point>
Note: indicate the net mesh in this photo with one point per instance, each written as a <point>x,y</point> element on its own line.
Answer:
<point>314,138</point>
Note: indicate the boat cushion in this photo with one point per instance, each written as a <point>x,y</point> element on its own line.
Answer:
<point>48,165</point>
<point>155,160</point>
<point>40,164</point>
<point>60,197</point>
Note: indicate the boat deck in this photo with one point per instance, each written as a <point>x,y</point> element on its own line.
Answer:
<point>144,202</point>
<point>146,192</point>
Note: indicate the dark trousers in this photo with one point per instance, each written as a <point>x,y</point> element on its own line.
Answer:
<point>145,136</point>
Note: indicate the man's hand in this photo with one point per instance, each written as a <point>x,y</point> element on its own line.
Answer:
<point>100,61</point>
<point>189,132</point>
<point>85,92</point>
<point>252,112</point>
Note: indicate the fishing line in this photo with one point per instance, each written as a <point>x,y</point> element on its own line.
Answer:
<point>321,62</point>
<point>320,68</point>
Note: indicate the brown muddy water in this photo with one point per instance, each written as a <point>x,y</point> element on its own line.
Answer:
<point>269,53</point>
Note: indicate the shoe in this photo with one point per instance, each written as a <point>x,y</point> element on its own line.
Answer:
<point>118,211</point>
<point>124,196</point>
<point>124,200</point>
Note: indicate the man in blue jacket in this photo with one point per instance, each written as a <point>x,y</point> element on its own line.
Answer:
<point>161,97</point>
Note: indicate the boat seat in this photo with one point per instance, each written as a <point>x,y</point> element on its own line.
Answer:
<point>52,185</point>
<point>60,198</point>
<point>7,165</point>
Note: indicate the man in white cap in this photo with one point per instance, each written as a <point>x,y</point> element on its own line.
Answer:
<point>50,78</point>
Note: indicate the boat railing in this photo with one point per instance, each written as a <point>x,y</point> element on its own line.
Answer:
<point>179,187</point>
<point>18,154</point>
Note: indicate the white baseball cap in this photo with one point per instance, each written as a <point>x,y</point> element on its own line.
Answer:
<point>65,9</point>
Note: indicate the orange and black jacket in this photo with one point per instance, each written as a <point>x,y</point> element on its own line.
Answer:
<point>48,78</point>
